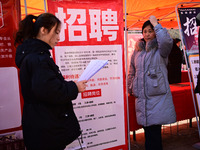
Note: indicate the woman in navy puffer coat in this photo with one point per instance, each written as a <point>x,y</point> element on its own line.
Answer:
<point>48,121</point>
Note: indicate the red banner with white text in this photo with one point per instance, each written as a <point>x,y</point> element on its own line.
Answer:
<point>10,105</point>
<point>93,30</point>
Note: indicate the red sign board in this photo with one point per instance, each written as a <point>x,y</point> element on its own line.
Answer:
<point>93,30</point>
<point>11,99</point>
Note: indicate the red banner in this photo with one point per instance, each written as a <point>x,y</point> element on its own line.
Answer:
<point>10,105</point>
<point>89,22</point>
<point>93,30</point>
<point>9,19</point>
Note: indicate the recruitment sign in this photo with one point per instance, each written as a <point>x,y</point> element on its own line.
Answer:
<point>93,30</point>
<point>194,67</point>
<point>189,27</point>
<point>10,110</point>
<point>190,32</point>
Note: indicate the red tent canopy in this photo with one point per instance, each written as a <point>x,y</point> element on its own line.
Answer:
<point>138,11</point>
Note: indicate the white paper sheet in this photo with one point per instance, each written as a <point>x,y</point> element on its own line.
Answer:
<point>93,67</point>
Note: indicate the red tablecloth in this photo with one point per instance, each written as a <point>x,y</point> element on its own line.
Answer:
<point>182,99</point>
<point>184,76</point>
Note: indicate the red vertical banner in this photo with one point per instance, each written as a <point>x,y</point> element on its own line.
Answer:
<point>93,30</point>
<point>10,109</point>
<point>9,19</point>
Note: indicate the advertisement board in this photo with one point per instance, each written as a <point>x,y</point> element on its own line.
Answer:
<point>11,100</point>
<point>93,30</point>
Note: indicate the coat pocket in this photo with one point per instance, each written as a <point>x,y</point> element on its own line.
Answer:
<point>155,83</point>
<point>135,86</point>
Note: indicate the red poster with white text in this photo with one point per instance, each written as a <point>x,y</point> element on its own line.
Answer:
<point>10,105</point>
<point>93,30</point>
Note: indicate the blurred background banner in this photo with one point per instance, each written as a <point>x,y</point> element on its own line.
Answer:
<point>9,19</point>
<point>189,33</point>
<point>10,98</point>
<point>189,27</point>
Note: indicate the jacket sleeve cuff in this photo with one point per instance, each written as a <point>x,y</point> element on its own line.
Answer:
<point>157,27</point>
<point>72,89</point>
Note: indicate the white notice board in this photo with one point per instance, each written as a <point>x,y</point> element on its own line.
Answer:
<point>10,111</point>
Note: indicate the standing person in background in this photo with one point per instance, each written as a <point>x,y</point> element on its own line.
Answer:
<point>175,60</point>
<point>48,121</point>
<point>148,82</point>
<point>178,43</point>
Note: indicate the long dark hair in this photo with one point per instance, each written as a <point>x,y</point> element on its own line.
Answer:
<point>30,26</point>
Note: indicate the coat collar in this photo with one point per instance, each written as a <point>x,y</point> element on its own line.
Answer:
<point>30,46</point>
<point>142,45</point>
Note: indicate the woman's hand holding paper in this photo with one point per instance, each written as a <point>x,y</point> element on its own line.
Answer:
<point>81,85</point>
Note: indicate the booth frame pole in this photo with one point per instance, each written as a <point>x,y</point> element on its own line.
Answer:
<point>192,91</point>
<point>25,6</point>
<point>126,66</point>
<point>45,7</point>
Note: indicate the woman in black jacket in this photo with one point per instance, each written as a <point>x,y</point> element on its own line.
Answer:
<point>175,60</point>
<point>48,122</point>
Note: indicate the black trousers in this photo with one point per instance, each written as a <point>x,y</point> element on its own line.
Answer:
<point>153,138</point>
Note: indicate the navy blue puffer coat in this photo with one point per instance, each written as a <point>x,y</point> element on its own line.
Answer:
<point>48,121</point>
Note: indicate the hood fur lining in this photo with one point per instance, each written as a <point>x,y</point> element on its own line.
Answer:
<point>142,45</point>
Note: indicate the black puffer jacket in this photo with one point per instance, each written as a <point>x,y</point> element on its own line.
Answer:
<point>48,121</point>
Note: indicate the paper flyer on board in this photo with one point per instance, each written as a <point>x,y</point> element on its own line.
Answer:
<point>93,67</point>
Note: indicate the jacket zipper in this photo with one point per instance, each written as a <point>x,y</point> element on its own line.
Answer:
<point>144,90</point>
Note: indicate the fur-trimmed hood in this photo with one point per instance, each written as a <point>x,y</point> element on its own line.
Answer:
<point>148,81</point>
<point>142,45</point>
